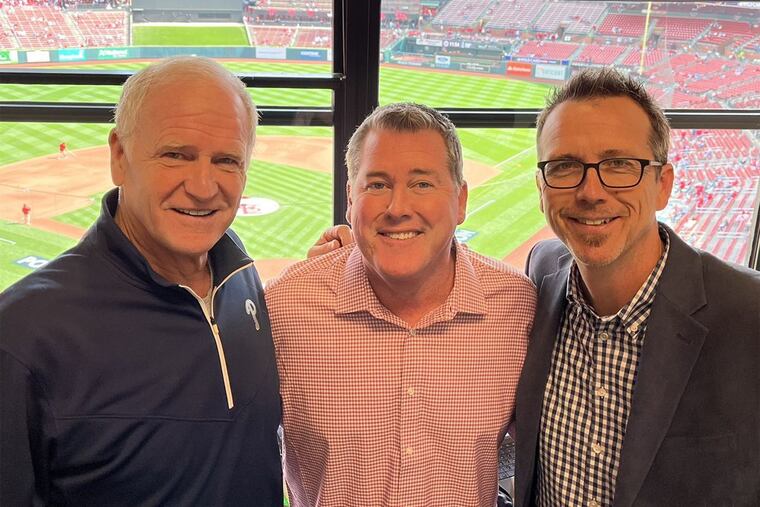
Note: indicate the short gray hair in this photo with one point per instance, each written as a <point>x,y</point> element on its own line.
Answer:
<point>406,117</point>
<point>136,89</point>
<point>606,82</point>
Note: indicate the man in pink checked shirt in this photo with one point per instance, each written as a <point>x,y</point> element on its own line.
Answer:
<point>399,355</point>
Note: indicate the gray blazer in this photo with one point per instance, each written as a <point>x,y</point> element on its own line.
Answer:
<point>693,435</point>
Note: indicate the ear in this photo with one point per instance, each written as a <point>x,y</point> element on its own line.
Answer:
<point>349,201</point>
<point>665,186</point>
<point>540,188</point>
<point>462,204</point>
<point>118,160</point>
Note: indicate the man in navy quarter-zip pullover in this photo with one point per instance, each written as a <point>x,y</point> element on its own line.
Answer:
<point>137,368</point>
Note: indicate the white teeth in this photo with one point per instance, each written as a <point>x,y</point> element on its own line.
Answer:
<point>401,235</point>
<point>588,221</point>
<point>195,212</point>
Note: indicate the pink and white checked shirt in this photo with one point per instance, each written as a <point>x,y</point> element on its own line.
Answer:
<point>376,413</point>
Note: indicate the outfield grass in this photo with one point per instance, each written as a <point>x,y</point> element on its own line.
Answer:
<point>503,213</point>
<point>147,35</point>
<point>18,242</point>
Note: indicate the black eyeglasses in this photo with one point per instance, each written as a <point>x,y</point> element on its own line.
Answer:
<point>613,172</point>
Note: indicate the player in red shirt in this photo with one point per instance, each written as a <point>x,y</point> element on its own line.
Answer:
<point>27,211</point>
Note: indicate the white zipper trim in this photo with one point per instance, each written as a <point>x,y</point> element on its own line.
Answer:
<point>215,331</point>
<point>223,365</point>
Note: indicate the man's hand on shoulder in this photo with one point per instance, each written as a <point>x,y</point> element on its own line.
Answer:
<point>332,239</point>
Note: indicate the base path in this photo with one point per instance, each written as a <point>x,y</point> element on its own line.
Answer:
<point>520,254</point>
<point>53,186</point>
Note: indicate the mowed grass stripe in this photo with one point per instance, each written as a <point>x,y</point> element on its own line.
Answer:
<point>18,242</point>
<point>145,35</point>
<point>494,146</point>
<point>439,89</point>
<point>83,217</point>
<point>22,141</point>
<point>288,232</point>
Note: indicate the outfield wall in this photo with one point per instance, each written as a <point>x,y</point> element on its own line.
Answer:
<point>536,70</point>
<point>152,53</point>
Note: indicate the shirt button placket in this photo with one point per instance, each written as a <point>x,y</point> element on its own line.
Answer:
<point>409,414</point>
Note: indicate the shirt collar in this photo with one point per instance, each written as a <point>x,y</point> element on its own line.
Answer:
<point>225,257</point>
<point>354,292</point>
<point>641,301</point>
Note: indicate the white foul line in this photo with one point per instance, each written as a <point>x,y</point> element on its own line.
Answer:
<point>516,155</point>
<point>8,241</point>
<point>480,208</point>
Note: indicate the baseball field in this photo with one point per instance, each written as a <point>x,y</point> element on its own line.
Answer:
<point>288,196</point>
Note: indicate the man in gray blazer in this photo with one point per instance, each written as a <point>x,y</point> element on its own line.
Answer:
<point>642,381</point>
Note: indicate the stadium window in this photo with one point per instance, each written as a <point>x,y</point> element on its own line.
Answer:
<point>491,63</point>
<point>62,63</point>
<point>486,63</point>
<point>712,205</point>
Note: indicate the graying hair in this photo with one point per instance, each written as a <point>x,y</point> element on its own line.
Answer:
<point>406,117</point>
<point>606,82</point>
<point>136,89</point>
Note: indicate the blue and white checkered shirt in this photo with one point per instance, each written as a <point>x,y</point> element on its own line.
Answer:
<point>588,394</point>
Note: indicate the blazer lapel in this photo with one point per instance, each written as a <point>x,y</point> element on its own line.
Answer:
<point>671,347</point>
<point>530,391</point>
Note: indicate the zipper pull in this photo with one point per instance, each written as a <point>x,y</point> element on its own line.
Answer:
<point>250,309</point>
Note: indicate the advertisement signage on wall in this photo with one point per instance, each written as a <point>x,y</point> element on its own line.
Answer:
<point>70,55</point>
<point>442,61</point>
<point>519,69</point>
<point>113,54</point>
<point>269,53</point>
<point>554,72</point>
<point>436,43</point>
<point>8,56</point>
<point>37,56</point>
<point>311,54</point>
<point>475,67</point>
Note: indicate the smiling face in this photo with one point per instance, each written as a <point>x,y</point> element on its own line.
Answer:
<point>404,206</point>
<point>603,226</point>
<point>182,171</point>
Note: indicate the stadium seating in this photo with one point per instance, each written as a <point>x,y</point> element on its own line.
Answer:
<point>622,25</point>
<point>388,37</point>
<point>682,29</point>
<point>101,28</point>
<point>722,32</point>
<point>400,8</point>
<point>271,36</point>
<point>298,5</point>
<point>41,27</point>
<point>577,17</point>
<point>743,83</point>
<point>717,177</point>
<point>547,50</point>
<point>516,14</point>
<point>460,13</point>
<point>7,39</point>
<point>603,55</point>
<point>651,57</point>
<point>313,38</point>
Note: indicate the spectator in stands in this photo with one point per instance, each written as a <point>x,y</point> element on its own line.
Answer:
<point>641,384</point>
<point>399,356</point>
<point>138,368</point>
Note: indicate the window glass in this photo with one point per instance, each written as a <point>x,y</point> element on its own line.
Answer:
<point>110,94</point>
<point>691,55</point>
<point>712,207</point>
<point>286,34</point>
<point>286,204</point>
